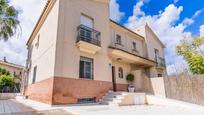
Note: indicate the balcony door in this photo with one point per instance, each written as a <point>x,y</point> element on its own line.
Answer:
<point>87,22</point>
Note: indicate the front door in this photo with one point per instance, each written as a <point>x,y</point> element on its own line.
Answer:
<point>113,78</point>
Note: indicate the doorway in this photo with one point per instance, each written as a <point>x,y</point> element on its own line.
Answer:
<point>113,78</point>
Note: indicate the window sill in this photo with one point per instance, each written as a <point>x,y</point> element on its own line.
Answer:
<point>86,79</point>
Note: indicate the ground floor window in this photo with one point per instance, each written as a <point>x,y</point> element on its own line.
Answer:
<point>86,100</point>
<point>34,74</point>
<point>159,75</point>
<point>86,68</point>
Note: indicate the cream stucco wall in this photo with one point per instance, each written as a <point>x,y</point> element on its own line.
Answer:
<point>68,55</point>
<point>127,39</point>
<point>58,55</point>
<point>43,55</point>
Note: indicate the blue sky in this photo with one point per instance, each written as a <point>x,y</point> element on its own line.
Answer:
<point>171,20</point>
<point>152,7</point>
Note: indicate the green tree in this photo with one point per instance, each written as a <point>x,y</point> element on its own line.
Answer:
<point>6,80</point>
<point>9,22</point>
<point>3,71</point>
<point>192,53</point>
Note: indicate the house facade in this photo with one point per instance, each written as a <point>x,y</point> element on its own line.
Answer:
<point>77,54</point>
<point>16,70</point>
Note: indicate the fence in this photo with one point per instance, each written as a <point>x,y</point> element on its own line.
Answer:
<point>189,89</point>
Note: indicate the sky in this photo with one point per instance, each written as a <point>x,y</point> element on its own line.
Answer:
<point>170,19</point>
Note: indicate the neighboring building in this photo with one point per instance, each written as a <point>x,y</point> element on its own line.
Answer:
<point>77,54</point>
<point>16,70</point>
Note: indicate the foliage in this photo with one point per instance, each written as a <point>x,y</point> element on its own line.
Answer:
<point>3,71</point>
<point>130,77</point>
<point>6,80</point>
<point>193,54</point>
<point>9,22</point>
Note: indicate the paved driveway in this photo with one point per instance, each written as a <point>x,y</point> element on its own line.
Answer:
<point>173,108</point>
<point>137,110</point>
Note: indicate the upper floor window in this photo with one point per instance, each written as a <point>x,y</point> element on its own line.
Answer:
<point>86,68</point>
<point>87,21</point>
<point>118,39</point>
<point>156,51</point>
<point>134,45</point>
<point>120,72</point>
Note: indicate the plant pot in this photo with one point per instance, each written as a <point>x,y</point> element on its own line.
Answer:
<point>131,89</point>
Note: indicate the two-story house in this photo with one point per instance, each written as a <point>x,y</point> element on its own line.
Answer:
<point>77,54</point>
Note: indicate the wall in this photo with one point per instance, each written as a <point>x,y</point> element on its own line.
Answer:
<point>42,49</point>
<point>127,39</point>
<point>184,88</point>
<point>68,55</point>
<point>158,86</point>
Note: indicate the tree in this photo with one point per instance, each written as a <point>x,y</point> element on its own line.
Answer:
<point>6,81</point>
<point>192,53</point>
<point>9,22</point>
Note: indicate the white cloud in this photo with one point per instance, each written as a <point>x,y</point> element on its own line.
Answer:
<point>115,13</point>
<point>202,31</point>
<point>166,26</point>
<point>15,48</point>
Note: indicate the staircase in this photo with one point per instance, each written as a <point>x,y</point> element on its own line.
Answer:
<point>113,98</point>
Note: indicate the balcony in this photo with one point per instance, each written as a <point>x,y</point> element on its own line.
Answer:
<point>128,55</point>
<point>88,39</point>
<point>160,62</point>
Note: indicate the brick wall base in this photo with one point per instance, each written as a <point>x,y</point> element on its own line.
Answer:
<point>60,90</point>
<point>41,91</point>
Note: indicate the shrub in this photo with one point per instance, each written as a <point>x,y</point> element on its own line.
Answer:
<point>130,77</point>
<point>6,80</point>
<point>3,71</point>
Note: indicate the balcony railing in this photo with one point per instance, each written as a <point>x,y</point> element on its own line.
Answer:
<point>160,62</point>
<point>126,48</point>
<point>89,35</point>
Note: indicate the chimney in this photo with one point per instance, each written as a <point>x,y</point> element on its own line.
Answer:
<point>5,59</point>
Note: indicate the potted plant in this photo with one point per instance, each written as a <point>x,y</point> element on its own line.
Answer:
<point>130,78</point>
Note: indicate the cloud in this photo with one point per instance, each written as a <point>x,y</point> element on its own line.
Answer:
<point>15,48</point>
<point>202,31</point>
<point>115,13</point>
<point>166,26</point>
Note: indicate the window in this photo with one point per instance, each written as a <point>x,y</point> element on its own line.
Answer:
<point>34,74</point>
<point>120,72</point>
<point>86,68</point>
<point>156,51</point>
<point>87,21</point>
<point>134,46</point>
<point>118,39</point>
<point>159,75</point>
<point>86,100</point>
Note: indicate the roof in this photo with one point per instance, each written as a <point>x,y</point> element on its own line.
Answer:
<point>11,64</point>
<point>126,29</point>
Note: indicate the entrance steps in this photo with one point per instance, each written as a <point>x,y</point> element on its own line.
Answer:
<point>123,98</point>
<point>113,98</point>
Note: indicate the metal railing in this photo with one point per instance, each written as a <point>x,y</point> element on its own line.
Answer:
<point>160,62</point>
<point>125,48</point>
<point>88,35</point>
